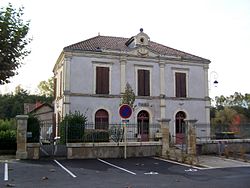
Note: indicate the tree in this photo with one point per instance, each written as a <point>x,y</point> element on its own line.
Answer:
<point>225,116</point>
<point>46,87</point>
<point>13,41</point>
<point>129,96</point>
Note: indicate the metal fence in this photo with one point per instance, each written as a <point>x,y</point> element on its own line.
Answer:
<point>46,131</point>
<point>222,131</point>
<point>230,131</point>
<point>114,133</point>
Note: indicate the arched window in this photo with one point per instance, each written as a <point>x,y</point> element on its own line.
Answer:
<point>102,119</point>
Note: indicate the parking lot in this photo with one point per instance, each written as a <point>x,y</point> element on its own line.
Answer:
<point>124,173</point>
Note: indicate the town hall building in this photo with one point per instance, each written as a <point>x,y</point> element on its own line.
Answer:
<point>91,76</point>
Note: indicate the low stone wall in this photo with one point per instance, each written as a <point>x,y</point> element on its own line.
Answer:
<point>33,150</point>
<point>219,146</point>
<point>112,150</point>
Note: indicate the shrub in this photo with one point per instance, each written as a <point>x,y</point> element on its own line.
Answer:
<point>96,136</point>
<point>72,128</point>
<point>33,127</point>
<point>7,125</point>
<point>7,134</point>
<point>8,140</point>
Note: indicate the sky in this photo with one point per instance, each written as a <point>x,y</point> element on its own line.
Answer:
<point>218,30</point>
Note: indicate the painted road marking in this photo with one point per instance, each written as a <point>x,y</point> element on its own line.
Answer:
<point>64,168</point>
<point>191,170</point>
<point>120,168</point>
<point>6,176</point>
<point>182,164</point>
<point>151,173</point>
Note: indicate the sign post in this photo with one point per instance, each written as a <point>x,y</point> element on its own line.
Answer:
<point>125,112</point>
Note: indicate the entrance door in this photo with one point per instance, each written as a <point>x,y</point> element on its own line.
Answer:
<point>143,125</point>
<point>180,127</point>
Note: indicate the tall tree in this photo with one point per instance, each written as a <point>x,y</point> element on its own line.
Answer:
<point>46,87</point>
<point>13,41</point>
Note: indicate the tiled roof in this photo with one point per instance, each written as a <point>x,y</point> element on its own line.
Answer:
<point>100,43</point>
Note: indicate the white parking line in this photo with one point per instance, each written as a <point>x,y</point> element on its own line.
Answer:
<point>64,168</point>
<point>182,164</point>
<point>6,176</point>
<point>120,168</point>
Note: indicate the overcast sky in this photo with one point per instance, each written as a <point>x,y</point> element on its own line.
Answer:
<point>218,30</point>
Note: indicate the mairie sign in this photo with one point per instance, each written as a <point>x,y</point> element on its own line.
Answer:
<point>125,111</point>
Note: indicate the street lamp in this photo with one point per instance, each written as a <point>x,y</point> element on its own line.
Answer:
<point>214,78</point>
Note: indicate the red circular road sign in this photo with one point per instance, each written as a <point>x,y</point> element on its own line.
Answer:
<point>125,111</point>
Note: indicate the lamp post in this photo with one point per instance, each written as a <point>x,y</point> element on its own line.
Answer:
<point>213,77</point>
<point>213,82</point>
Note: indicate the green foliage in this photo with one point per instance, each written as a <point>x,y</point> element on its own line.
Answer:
<point>7,134</point>
<point>12,104</point>
<point>46,87</point>
<point>129,96</point>
<point>7,125</point>
<point>34,127</point>
<point>72,128</point>
<point>225,116</point>
<point>8,140</point>
<point>237,99</point>
<point>227,107</point>
<point>96,136</point>
<point>12,41</point>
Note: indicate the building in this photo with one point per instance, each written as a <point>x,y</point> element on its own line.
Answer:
<point>45,114</point>
<point>91,75</point>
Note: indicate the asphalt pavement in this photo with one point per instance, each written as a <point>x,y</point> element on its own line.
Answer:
<point>144,172</point>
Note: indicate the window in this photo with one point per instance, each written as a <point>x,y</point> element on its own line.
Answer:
<point>180,84</point>
<point>101,119</point>
<point>61,84</point>
<point>55,87</point>
<point>143,82</point>
<point>102,80</point>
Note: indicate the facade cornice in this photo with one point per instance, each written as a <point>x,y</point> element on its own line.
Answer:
<point>129,57</point>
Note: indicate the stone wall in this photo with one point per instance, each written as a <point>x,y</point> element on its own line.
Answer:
<point>112,150</point>
<point>219,146</point>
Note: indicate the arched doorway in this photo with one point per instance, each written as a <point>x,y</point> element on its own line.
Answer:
<point>180,127</point>
<point>102,119</point>
<point>143,125</point>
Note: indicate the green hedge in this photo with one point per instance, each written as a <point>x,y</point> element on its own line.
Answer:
<point>8,140</point>
<point>96,136</point>
<point>72,128</point>
<point>7,134</point>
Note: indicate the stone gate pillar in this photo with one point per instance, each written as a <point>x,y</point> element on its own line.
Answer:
<point>21,136</point>
<point>191,136</point>
<point>165,135</point>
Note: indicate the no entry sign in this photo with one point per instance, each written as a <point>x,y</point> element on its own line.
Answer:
<point>125,111</point>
